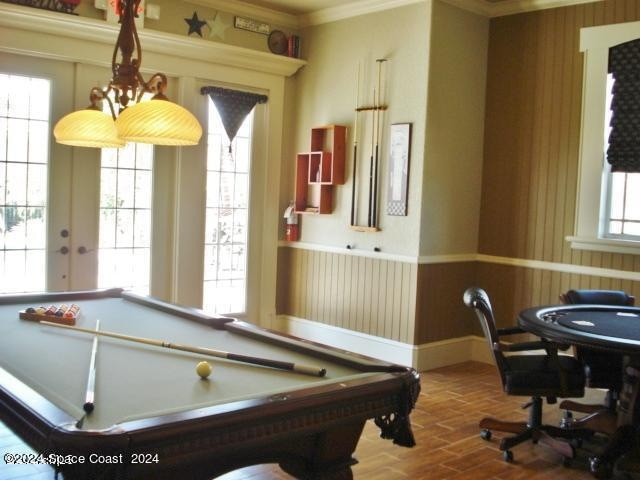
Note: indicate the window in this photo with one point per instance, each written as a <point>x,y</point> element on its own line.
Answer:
<point>623,208</point>
<point>622,193</point>
<point>227,216</point>
<point>125,217</point>
<point>124,257</point>
<point>24,155</point>
<point>608,204</point>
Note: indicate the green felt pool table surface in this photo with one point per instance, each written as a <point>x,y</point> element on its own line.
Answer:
<point>136,380</point>
<point>145,393</point>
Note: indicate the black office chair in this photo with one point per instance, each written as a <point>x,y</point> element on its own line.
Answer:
<point>602,369</point>
<point>550,375</point>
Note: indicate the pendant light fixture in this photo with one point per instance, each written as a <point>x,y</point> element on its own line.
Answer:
<point>157,121</point>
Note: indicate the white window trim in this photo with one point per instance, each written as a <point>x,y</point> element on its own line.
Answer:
<point>595,43</point>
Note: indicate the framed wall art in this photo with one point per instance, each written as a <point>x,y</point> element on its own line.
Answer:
<point>399,153</point>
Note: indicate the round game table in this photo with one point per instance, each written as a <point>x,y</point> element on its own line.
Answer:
<point>605,328</point>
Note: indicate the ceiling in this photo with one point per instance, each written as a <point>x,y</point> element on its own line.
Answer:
<point>299,7</point>
<point>302,7</point>
<point>301,13</point>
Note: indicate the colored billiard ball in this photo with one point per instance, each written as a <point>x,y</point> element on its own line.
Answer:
<point>204,369</point>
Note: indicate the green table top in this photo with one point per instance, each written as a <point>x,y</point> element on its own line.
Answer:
<point>137,381</point>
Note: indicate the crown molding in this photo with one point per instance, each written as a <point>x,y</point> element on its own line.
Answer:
<point>364,7</point>
<point>354,9</point>
<point>20,18</point>
<point>511,7</point>
<point>239,7</point>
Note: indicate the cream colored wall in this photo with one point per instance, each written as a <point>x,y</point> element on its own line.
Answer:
<point>437,82</point>
<point>452,174</point>
<point>326,94</point>
<point>173,13</point>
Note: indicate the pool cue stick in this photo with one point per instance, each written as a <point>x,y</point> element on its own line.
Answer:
<point>355,151</point>
<point>377,124</point>
<point>91,380</point>
<point>280,365</point>
<point>373,122</point>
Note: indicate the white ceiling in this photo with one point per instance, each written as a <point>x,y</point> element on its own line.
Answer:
<point>298,7</point>
<point>300,13</point>
<point>301,7</point>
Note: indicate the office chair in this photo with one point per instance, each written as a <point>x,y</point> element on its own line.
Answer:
<point>602,369</point>
<point>537,376</point>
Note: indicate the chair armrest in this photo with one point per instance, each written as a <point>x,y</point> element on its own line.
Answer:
<point>523,346</point>
<point>509,331</point>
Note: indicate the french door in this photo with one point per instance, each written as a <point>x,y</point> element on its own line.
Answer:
<point>34,214</point>
<point>70,218</point>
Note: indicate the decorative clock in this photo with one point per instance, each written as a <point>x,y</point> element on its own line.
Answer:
<point>278,42</point>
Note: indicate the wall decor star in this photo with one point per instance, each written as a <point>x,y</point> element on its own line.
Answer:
<point>217,27</point>
<point>195,24</point>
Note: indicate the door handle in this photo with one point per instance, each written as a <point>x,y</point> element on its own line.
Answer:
<point>63,250</point>
<point>82,250</point>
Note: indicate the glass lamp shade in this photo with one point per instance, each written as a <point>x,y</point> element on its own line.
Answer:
<point>88,128</point>
<point>159,122</point>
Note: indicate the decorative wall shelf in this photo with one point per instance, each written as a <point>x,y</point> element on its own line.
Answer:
<point>318,170</point>
<point>14,19</point>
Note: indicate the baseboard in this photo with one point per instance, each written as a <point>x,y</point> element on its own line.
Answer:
<point>421,357</point>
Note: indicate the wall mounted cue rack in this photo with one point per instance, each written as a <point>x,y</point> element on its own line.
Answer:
<point>375,110</point>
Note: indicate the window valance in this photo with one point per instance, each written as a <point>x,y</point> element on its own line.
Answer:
<point>233,107</point>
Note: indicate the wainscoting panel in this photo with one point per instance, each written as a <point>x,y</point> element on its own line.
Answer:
<point>362,294</point>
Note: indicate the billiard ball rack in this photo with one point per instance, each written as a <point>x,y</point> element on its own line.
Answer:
<point>61,315</point>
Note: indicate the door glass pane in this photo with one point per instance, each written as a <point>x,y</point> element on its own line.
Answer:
<point>124,256</point>
<point>227,216</point>
<point>24,158</point>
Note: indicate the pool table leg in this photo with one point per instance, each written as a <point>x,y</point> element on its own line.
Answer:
<point>330,458</point>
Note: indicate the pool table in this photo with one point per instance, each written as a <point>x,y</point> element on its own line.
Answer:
<point>155,418</point>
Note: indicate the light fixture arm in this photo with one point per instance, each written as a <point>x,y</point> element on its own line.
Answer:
<point>157,121</point>
<point>157,85</point>
<point>126,74</point>
<point>96,95</point>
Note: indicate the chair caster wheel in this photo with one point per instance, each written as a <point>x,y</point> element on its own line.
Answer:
<point>568,414</point>
<point>485,434</point>
<point>600,469</point>
<point>507,455</point>
<point>566,422</point>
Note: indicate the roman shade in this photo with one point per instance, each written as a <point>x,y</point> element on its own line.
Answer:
<point>623,153</point>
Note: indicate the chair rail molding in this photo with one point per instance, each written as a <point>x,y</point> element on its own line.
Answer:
<point>472,257</point>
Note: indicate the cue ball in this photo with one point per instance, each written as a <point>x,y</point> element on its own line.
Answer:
<point>204,369</point>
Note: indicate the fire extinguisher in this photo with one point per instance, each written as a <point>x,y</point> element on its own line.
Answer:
<point>291,232</point>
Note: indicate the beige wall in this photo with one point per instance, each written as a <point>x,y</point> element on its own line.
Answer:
<point>455,127</point>
<point>436,80</point>
<point>326,94</point>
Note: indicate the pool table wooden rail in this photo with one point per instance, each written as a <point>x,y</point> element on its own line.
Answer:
<point>311,432</point>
